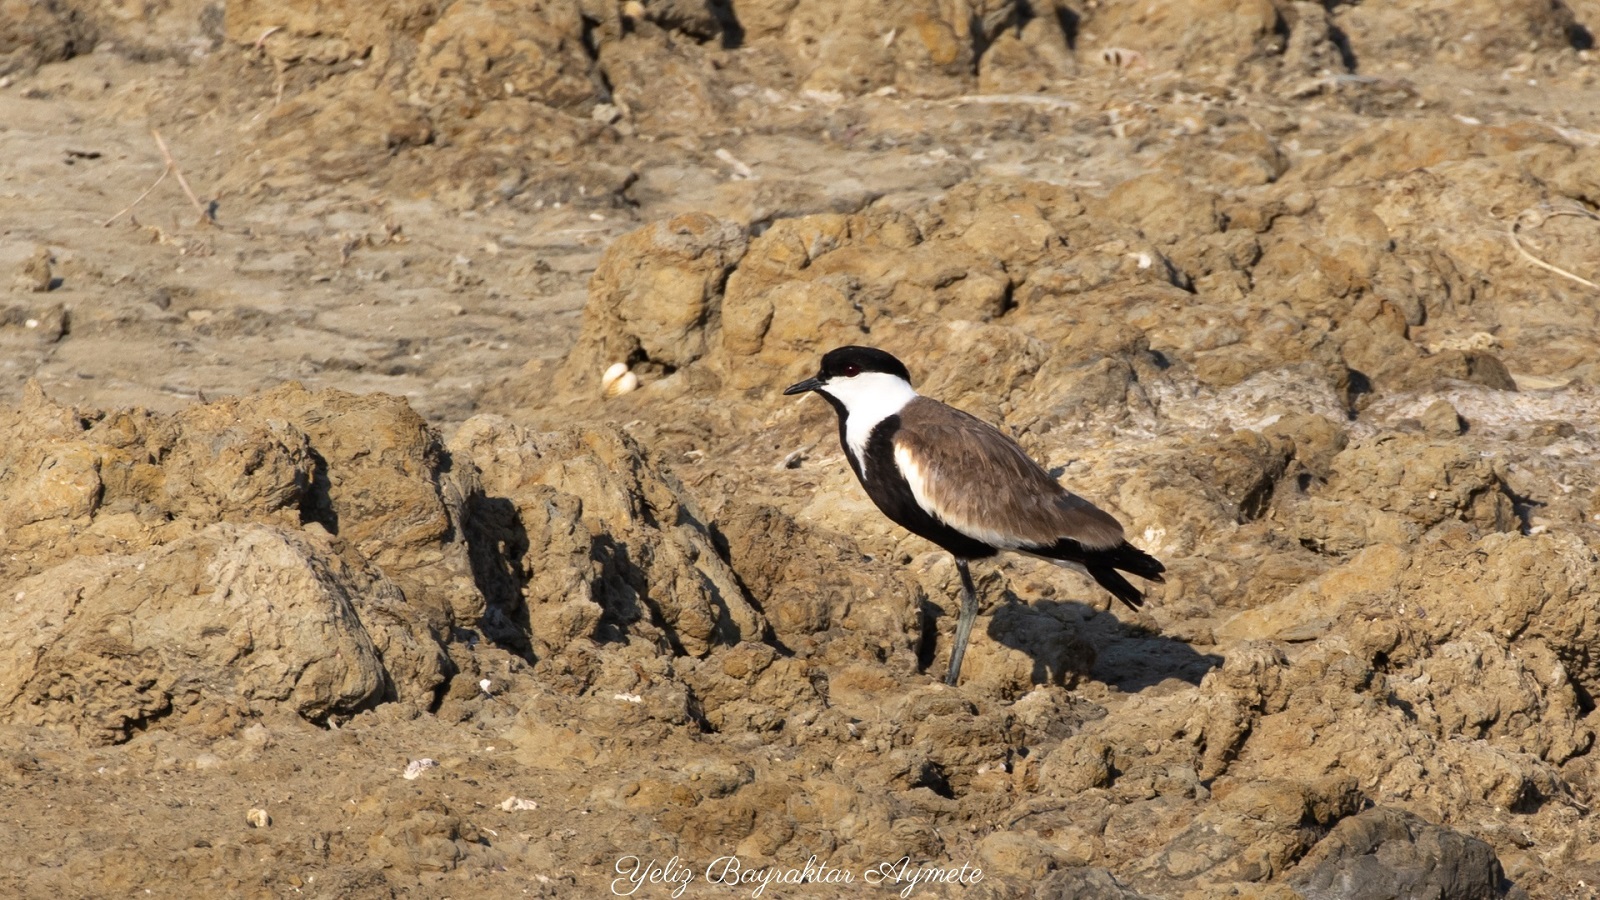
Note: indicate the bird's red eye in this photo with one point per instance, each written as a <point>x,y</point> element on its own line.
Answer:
<point>852,370</point>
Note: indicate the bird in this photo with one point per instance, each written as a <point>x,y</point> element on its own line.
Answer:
<point>954,479</point>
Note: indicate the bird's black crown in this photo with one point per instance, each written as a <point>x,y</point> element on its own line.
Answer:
<point>848,362</point>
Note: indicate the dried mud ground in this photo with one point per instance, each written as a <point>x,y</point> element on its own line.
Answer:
<point>335,573</point>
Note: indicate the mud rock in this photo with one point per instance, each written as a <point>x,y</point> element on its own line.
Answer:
<point>325,33</point>
<point>1386,852</point>
<point>138,498</point>
<point>1440,419</point>
<point>35,276</point>
<point>1214,278</point>
<point>666,91</point>
<point>387,492</point>
<point>488,48</point>
<point>423,836</point>
<point>655,296</point>
<point>1497,768</point>
<point>33,34</point>
<point>1203,489</point>
<point>1079,386</point>
<point>1163,208</point>
<point>1264,721</point>
<point>1317,441</point>
<point>1474,366</point>
<point>816,282</point>
<point>699,19</point>
<point>1029,58</point>
<point>1088,884</point>
<point>366,468</point>
<point>751,689</point>
<point>819,590</point>
<point>1254,831</point>
<point>263,471</point>
<point>773,311</point>
<point>1217,35</point>
<point>627,551</point>
<point>931,49</point>
<point>1029,645</point>
<point>1472,32</point>
<point>237,614</point>
<point>481,50</point>
<point>340,129</point>
<point>1394,487</point>
<point>42,324</point>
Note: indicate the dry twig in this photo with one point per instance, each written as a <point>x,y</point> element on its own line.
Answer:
<point>171,168</point>
<point>1538,218</point>
<point>129,208</point>
<point>205,214</point>
<point>261,42</point>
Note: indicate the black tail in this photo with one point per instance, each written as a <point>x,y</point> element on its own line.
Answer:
<point>1103,565</point>
<point>1112,580</point>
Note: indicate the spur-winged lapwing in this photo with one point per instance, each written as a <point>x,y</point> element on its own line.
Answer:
<point>955,480</point>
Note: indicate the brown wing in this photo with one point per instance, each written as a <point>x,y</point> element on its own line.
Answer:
<point>978,481</point>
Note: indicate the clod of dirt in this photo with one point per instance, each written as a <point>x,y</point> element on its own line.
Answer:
<point>1391,853</point>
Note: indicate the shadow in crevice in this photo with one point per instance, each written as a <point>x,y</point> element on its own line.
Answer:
<point>1579,36</point>
<point>725,631</point>
<point>1358,390</point>
<point>624,594</point>
<point>724,550</point>
<point>497,543</point>
<point>1522,507</point>
<point>1070,23</point>
<point>316,502</point>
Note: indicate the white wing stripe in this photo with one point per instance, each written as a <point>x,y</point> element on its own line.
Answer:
<point>919,484</point>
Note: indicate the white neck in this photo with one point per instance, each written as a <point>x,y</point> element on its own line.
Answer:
<point>868,399</point>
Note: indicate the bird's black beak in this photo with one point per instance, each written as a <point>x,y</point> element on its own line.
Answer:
<point>810,384</point>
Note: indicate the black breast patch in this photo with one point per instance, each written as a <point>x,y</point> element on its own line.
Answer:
<point>889,490</point>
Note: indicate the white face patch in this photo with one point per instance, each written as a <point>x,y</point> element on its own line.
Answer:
<point>868,399</point>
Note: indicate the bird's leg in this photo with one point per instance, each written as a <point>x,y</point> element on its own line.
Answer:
<point>969,614</point>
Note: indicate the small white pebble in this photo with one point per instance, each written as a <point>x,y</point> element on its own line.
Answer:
<point>631,698</point>
<point>416,767</point>
<point>258,818</point>
<point>513,804</point>
<point>740,169</point>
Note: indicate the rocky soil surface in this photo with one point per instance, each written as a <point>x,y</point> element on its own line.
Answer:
<point>335,568</point>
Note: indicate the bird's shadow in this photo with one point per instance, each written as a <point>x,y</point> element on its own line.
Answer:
<point>1068,640</point>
